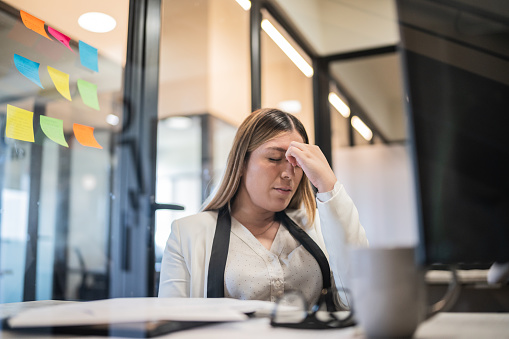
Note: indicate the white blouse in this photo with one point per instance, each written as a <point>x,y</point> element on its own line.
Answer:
<point>255,273</point>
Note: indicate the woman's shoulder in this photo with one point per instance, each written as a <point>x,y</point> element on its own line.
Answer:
<point>198,222</point>
<point>300,217</point>
<point>198,218</point>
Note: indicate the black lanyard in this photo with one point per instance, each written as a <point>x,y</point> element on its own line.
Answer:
<point>217,264</point>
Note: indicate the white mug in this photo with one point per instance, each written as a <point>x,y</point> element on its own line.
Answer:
<point>388,291</point>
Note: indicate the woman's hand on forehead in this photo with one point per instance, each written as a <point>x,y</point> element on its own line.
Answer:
<point>314,164</point>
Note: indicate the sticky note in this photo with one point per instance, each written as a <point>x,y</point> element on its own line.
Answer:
<point>85,136</point>
<point>33,23</point>
<point>54,129</point>
<point>28,68</point>
<point>61,81</point>
<point>88,92</point>
<point>64,39</point>
<point>88,56</point>
<point>19,124</point>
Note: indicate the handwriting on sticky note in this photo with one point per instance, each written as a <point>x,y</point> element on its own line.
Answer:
<point>61,81</point>
<point>64,39</point>
<point>54,129</point>
<point>88,92</point>
<point>88,56</point>
<point>29,68</point>
<point>85,136</point>
<point>33,23</point>
<point>19,124</point>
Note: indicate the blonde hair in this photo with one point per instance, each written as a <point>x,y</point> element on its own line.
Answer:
<point>259,127</point>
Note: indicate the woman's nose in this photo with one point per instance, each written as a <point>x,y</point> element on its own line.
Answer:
<point>288,170</point>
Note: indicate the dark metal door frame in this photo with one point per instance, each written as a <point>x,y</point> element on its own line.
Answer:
<point>132,257</point>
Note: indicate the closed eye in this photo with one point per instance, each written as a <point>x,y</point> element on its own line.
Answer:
<point>275,159</point>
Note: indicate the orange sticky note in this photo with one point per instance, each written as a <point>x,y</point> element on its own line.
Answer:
<point>33,23</point>
<point>85,136</point>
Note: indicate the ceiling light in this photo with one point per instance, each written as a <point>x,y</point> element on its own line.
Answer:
<point>97,22</point>
<point>179,123</point>
<point>290,106</point>
<point>362,128</point>
<point>112,119</point>
<point>339,104</point>
<point>297,59</point>
<point>89,182</point>
<point>246,4</point>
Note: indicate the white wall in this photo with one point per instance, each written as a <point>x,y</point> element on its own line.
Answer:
<point>380,181</point>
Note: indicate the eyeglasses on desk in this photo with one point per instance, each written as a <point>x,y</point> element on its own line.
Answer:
<point>292,310</point>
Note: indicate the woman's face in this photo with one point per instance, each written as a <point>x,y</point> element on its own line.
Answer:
<point>269,181</point>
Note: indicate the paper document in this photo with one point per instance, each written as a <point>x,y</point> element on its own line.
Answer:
<point>125,310</point>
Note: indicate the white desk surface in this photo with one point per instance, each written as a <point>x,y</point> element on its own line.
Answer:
<point>444,325</point>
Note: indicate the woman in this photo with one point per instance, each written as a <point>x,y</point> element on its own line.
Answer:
<point>247,242</point>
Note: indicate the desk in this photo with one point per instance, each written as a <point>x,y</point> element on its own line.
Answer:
<point>476,295</point>
<point>444,325</point>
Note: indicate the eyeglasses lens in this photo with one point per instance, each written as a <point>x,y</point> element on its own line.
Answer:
<point>291,308</point>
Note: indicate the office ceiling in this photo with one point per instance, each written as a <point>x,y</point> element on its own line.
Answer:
<point>335,27</point>
<point>340,26</point>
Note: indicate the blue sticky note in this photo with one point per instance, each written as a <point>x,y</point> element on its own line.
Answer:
<point>29,68</point>
<point>88,56</point>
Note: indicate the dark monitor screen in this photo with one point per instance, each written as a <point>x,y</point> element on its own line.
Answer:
<point>456,66</point>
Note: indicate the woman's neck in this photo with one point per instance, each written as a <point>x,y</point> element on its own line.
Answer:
<point>258,221</point>
<point>249,215</point>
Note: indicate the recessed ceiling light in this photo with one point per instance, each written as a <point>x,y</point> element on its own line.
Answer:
<point>246,4</point>
<point>290,106</point>
<point>112,119</point>
<point>179,123</point>
<point>288,49</point>
<point>362,128</point>
<point>97,22</point>
<point>339,104</point>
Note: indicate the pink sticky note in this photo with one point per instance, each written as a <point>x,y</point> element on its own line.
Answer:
<point>64,39</point>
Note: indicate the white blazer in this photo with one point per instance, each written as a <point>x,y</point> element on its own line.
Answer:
<point>184,267</point>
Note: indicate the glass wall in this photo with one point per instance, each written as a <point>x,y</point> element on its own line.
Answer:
<point>67,231</point>
<point>60,108</point>
<point>284,85</point>
<point>204,94</point>
<point>374,94</point>
<point>191,156</point>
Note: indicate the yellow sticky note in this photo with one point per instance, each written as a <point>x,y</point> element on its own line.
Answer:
<point>19,124</point>
<point>54,129</point>
<point>61,81</point>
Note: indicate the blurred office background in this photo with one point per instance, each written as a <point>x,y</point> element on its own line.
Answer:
<point>175,80</point>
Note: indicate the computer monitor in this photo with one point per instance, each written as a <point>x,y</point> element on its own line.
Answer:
<point>456,65</point>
